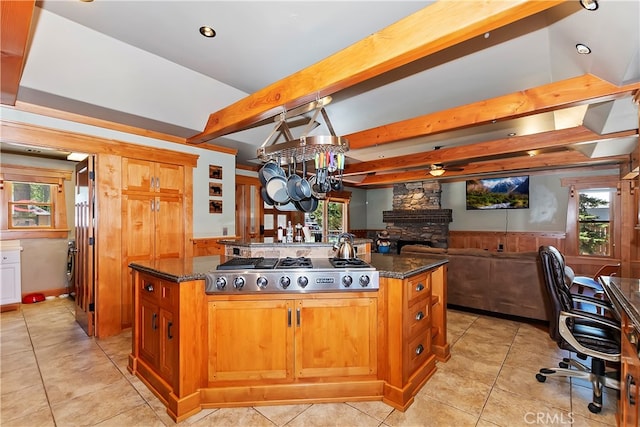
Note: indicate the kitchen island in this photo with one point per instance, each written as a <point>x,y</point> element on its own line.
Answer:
<point>196,350</point>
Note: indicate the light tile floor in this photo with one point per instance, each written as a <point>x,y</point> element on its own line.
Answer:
<point>52,374</point>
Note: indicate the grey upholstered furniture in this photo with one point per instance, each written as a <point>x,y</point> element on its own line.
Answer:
<point>498,282</point>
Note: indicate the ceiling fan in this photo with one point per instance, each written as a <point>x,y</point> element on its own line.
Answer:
<point>438,169</point>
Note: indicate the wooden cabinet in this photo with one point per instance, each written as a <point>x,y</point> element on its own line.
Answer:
<point>292,338</point>
<point>416,337</point>
<point>153,219</point>
<point>170,341</point>
<point>629,403</point>
<point>11,282</point>
<point>146,176</point>
<point>158,335</point>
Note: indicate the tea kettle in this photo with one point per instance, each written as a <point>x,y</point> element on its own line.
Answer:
<point>344,246</point>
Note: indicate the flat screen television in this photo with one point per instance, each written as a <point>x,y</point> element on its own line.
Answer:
<point>498,193</point>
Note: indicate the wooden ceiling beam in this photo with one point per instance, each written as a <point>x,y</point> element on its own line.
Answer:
<point>554,96</point>
<point>500,147</point>
<point>436,27</point>
<point>563,159</point>
<point>15,23</point>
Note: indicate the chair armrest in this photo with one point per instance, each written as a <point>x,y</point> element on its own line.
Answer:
<point>566,334</point>
<point>592,317</point>
<point>604,304</point>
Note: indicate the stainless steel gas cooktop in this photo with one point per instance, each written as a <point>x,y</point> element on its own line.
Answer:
<point>258,274</point>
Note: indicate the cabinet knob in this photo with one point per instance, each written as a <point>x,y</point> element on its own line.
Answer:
<point>419,349</point>
<point>148,287</point>
<point>419,315</point>
<point>419,287</point>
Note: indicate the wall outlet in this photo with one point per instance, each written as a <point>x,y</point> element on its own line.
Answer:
<point>500,247</point>
<point>225,231</point>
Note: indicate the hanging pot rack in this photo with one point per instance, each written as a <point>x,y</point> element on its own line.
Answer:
<point>306,147</point>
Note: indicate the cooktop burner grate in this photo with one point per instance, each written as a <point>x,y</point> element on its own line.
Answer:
<point>299,262</point>
<point>348,263</point>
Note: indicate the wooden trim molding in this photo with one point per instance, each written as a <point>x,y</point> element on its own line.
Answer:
<point>22,133</point>
<point>14,35</point>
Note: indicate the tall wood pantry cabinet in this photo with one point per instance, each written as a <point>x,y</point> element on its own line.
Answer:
<point>153,217</point>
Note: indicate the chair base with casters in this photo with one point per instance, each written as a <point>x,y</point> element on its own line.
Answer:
<point>585,333</point>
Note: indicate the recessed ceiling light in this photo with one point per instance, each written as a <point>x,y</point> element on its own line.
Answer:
<point>511,134</point>
<point>207,31</point>
<point>589,4</point>
<point>583,49</point>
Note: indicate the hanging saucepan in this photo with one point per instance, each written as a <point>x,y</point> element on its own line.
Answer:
<point>292,183</point>
<point>290,206</point>
<point>308,205</point>
<point>277,189</point>
<point>303,188</point>
<point>269,170</point>
<point>265,196</point>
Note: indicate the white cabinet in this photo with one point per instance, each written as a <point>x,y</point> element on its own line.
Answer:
<point>10,280</point>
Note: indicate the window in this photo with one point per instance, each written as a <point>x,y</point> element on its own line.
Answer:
<point>330,218</point>
<point>594,228</point>
<point>33,202</point>
<point>30,205</point>
<point>592,212</point>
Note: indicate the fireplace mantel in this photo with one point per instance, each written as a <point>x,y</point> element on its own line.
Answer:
<point>420,216</point>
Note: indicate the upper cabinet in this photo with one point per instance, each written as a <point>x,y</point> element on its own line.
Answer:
<point>146,176</point>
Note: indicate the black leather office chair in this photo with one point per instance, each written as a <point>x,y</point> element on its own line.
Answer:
<point>585,333</point>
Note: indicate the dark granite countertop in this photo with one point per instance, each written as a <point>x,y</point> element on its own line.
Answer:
<point>186,269</point>
<point>260,243</point>
<point>625,295</point>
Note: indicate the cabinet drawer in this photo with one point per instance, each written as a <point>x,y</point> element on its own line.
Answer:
<point>168,295</point>
<point>149,288</point>
<point>419,318</point>
<point>418,287</point>
<point>10,257</point>
<point>418,350</point>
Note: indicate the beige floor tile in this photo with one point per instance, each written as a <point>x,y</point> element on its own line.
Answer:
<point>555,392</point>
<point>140,416</point>
<point>479,348</point>
<point>38,418</point>
<point>19,376</point>
<point>431,413</point>
<point>507,409</point>
<point>14,343</point>
<point>457,390</point>
<point>22,402</point>
<point>98,405</point>
<point>376,409</point>
<point>281,414</point>
<point>333,414</point>
<point>63,385</point>
<point>228,417</point>
<point>580,398</point>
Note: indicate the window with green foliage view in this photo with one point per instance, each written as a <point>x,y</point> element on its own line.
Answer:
<point>594,228</point>
<point>31,205</point>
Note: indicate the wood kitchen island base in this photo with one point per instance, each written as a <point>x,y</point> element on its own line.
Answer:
<point>195,350</point>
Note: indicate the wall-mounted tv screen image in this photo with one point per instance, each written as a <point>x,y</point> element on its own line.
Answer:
<point>498,193</point>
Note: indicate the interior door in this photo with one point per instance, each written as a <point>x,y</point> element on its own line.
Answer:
<point>248,208</point>
<point>85,243</point>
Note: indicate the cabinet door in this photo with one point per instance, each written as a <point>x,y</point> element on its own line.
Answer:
<point>168,345</point>
<point>336,337</point>
<point>149,321</point>
<point>137,174</point>
<point>250,340</point>
<point>169,227</point>
<point>10,288</point>
<point>169,178</point>
<point>138,227</point>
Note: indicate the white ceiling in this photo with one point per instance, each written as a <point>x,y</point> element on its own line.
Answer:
<point>144,63</point>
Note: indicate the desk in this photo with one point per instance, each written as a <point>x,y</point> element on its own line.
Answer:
<point>625,295</point>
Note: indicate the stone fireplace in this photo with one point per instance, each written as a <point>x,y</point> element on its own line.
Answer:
<point>417,215</point>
